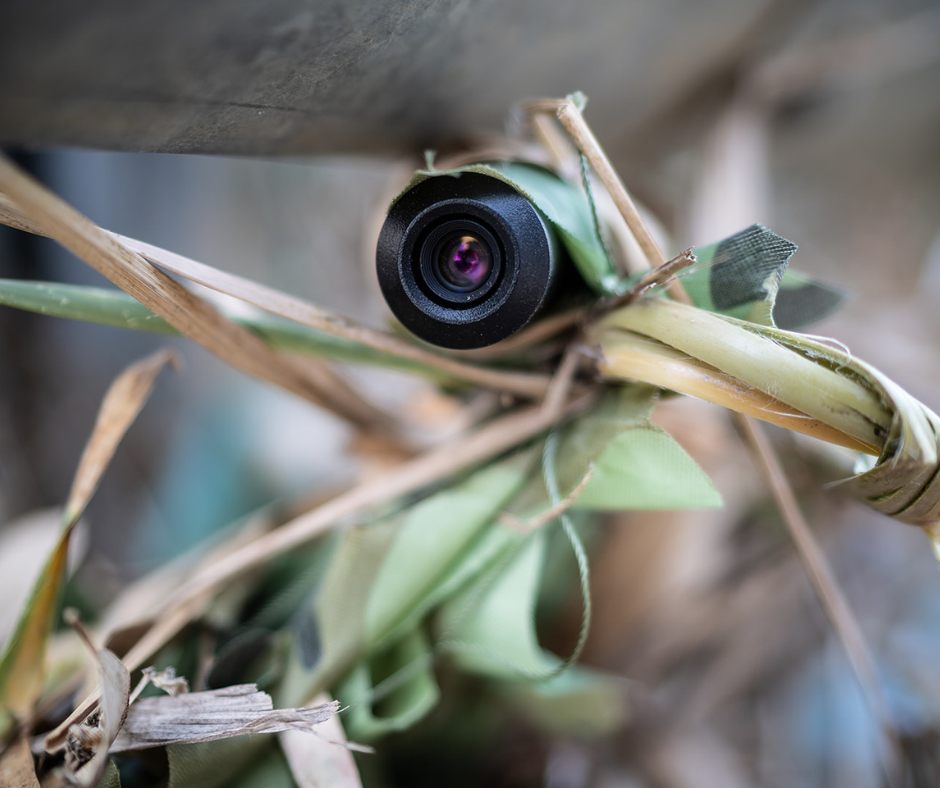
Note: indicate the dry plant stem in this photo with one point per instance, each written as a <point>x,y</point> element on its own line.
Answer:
<point>563,379</point>
<point>825,585</point>
<point>490,441</point>
<point>660,275</point>
<point>522,384</point>
<point>185,311</point>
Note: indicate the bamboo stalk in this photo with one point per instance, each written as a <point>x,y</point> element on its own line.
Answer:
<point>761,362</point>
<point>631,357</point>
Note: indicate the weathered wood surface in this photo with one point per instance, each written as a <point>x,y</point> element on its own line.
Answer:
<point>294,76</point>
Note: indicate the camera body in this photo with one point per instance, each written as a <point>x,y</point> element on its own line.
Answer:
<point>465,260</point>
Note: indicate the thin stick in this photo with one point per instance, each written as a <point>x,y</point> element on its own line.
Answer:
<point>558,390</point>
<point>827,589</point>
<point>571,118</point>
<point>663,274</point>
<point>185,311</point>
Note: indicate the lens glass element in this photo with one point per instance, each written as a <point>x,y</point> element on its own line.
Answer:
<point>464,263</point>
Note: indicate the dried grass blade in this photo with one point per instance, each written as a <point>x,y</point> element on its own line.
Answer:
<point>31,207</point>
<point>21,665</point>
<point>119,409</point>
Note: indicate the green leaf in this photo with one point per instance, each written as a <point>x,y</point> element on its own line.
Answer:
<point>392,691</point>
<point>633,464</point>
<point>490,626</point>
<point>568,210</point>
<point>580,702</point>
<point>386,576</point>
<point>431,542</point>
<point>271,771</point>
<point>644,468</point>
<point>112,777</point>
<point>329,640</point>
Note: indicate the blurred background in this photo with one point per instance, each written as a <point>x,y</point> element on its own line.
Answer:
<point>818,119</point>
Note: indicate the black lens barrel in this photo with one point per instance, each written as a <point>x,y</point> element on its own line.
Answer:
<point>509,258</point>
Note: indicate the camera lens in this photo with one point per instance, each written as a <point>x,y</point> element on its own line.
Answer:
<point>463,263</point>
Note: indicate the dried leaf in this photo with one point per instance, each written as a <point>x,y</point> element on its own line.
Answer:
<point>120,407</point>
<point>21,668</point>
<point>193,717</point>
<point>904,482</point>
<point>738,349</point>
<point>323,760</point>
<point>815,379</point>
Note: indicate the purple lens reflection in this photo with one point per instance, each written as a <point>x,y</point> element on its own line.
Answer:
<point>464,263</point>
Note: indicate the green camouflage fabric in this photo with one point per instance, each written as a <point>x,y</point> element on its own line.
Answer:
<point>747,276</point>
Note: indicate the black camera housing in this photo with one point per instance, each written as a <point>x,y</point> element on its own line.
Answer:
<point>523,260</point>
